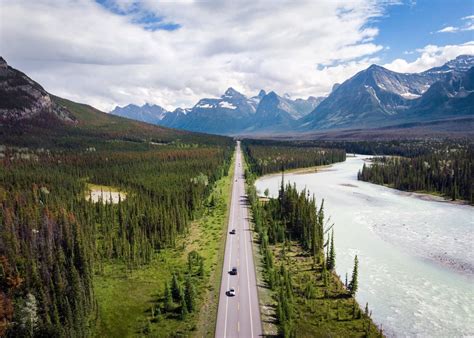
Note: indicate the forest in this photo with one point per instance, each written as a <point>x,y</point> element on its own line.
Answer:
<point>297,249</point>
<point>264,158</point>
<point>445,170</point>
<point>54,241</point>
<point>406,147</point>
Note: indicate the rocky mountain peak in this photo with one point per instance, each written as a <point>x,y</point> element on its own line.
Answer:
<point>231,92</point>
<point>3,63</point>
<point>23,98</point>
<point>462,63</point>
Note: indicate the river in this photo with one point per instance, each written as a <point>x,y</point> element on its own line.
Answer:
<point>416,255</point>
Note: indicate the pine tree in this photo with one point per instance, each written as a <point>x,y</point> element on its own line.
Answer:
<point>175,288</point>
<point>201,267</point>
<point>190,295</point>
<point>332,254</point>
<point>183,304</point>
<point>354,284</point>
<point>168,298</point>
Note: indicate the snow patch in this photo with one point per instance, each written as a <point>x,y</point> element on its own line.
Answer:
<point>228,105</point>
<point>205,106</point>
<point>410,96</point>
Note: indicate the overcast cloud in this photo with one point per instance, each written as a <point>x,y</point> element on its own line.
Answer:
<point>114,54</point>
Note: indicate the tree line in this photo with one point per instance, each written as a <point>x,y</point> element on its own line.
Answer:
<point>447,171</point>
<point>263,159</point>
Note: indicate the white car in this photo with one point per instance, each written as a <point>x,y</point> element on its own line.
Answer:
<point>231,292</point>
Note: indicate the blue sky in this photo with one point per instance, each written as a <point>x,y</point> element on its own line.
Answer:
<point>172,53</point>
<point>411,26</point>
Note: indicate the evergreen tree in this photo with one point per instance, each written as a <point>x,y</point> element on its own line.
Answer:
<point>354,284</point>
<point>168,298</point>
<point>331,263</point>
<point>175,288</point>
<point>201,267</point>
<point>190,295</point>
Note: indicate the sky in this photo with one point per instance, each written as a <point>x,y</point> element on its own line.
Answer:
<point>172,53</point>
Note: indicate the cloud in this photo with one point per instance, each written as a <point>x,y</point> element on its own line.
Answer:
<point>468,26</point>
<point>448,29</point>
<point>431,56</point>
<point>116,52</point>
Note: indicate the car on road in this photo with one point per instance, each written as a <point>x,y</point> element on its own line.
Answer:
<point>231,292</point>
<point>232,232</point>
<point>233,271</point>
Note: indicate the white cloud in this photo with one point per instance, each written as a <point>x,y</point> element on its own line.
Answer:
<point>431,56</point>
<point>448,29</point>
<point>468,26</point>
<point>81,50</point>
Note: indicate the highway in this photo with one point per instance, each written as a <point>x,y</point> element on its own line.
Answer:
<point>239,315</point>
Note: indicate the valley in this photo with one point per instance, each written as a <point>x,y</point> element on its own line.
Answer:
<point>327,192</point>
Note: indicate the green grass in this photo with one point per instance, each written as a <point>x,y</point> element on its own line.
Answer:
<point>208,311</point>
<point>125,298</point>
<point>331,311</point>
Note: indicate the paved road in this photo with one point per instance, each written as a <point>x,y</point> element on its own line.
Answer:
<point>239,316</point>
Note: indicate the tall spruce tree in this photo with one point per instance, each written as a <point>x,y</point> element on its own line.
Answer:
<point>354,284</point>
<point>332,254</point>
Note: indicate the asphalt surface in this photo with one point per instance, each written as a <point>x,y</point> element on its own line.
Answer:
<point>239,315</point>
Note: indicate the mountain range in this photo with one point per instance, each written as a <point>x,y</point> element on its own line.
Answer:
<point>378,97</point>
<point>374,97</point>
<point>232,113</point>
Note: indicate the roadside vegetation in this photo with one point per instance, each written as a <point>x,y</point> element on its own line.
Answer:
<point>177,293</point>
<point>298,254</point>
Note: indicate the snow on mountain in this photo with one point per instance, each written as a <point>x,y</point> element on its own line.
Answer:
<point>377,96</point>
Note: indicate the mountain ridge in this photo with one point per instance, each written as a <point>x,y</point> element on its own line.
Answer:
<point>376,96</point>
<point>373,98</point>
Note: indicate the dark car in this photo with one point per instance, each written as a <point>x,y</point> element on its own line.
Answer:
<point>232,232</point>
<point>233,271</point>
<point>231,292</point>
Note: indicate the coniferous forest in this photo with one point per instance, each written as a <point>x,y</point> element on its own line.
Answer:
<point>297,249</point>
<point>445,170</point>
<point>53,240</point>
<point>264,157</point>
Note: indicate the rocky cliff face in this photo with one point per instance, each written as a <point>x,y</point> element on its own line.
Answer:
<point>23,98</point>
